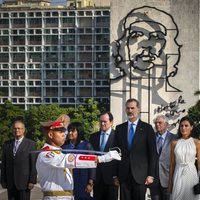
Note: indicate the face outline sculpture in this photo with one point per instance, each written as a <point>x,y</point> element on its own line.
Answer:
<point>147,41</point>
<point>145,44</point>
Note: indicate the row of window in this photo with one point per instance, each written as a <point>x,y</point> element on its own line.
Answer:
<point>54,14</point>
<point>54,40</point>
<point>33,101</point>
<point>46,49</point>
<point>54,31</point>
<point>95,74</point>
<point>55,92</point>
<point>54,22</point>
<point>59,66</point>
<point>53,57</point>
<point>59,83</point>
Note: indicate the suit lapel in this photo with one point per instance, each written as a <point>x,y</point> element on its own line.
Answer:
<point>167,140</point>
<point>98,140</point>
<point>21,145</point>
<point>110,141</point>
<point>138,131</point>
<point>11,147</point>
<point>124,137</point>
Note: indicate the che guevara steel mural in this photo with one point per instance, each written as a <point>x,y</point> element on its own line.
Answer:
<point>147,48</point>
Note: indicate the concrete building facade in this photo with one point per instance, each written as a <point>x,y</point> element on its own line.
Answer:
<point>53,54</point>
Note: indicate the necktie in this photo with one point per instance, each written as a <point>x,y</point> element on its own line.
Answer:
<point>15,147</point>
<point>131,134</point>
<point>159,144</point>
<point>103,141</point>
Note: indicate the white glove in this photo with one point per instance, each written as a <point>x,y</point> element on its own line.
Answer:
<point>111,155</point>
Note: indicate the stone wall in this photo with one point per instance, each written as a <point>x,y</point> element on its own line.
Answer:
<point>154,57</point>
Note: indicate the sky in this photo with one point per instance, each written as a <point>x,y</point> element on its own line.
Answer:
<point>53,1</point>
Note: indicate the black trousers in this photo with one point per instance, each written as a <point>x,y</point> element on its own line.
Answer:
<point>130,190</point>
<point>158,192</point>
<point>104,191</point>
<point>15,194</point>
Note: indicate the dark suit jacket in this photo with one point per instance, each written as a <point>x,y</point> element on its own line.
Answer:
<point>141,159</point>
<point>18,170</point>
<point>104,170</point>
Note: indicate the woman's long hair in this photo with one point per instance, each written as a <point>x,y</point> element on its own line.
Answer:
<point>80,130</point>
<point>191,122</point>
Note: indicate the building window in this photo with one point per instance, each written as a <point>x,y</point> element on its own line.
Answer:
<point>3,91</point>
<point>68,74</point>
<point>51,22</point>
<point>4,40</point>
<point>34,74</point>
<point>4,23</point>
<point>21,14</point>
<point>51,92</point>
<point>18,91</point>
<point>102,92</point>
<point>35,91</point>
<point>85,74</point>
<point>35,23</point>
<point>51,39</point>
<point>35,40</point>
<point>102,74</point>
<point>4,57</point>
<point>18,23</point>
<point>52,74</point>
<point>68,92</point>
<point>84,92</point>
<point>38,14</point>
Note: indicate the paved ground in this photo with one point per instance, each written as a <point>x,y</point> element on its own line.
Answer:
<point>35,194</point>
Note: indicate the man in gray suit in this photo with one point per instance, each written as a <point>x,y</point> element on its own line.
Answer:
<point>163,142</point>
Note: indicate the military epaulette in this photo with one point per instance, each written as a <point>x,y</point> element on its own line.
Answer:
<point>49,154</point>
<point>46,148</point>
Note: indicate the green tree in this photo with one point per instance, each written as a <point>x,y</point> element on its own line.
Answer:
<point>87,114</point>
<point>8,114</point>
<point>194,113</point>
<point>37,114</point>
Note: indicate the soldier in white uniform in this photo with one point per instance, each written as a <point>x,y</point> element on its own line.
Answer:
<point>55,168</point>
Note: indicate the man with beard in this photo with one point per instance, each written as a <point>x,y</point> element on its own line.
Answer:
<point>136,139</point>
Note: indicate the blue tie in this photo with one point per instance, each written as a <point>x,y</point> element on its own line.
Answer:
<point>159,144</point>
<point>103,141</point>
<point>131,134</point>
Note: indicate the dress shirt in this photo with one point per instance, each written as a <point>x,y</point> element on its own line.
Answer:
<point>16,145</point>
<point>129,124</point>
<point>106,136</point>
<point>163,137</point>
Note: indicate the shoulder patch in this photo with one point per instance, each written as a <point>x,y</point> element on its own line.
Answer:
<point>71,157</point>
<point>50,154</point>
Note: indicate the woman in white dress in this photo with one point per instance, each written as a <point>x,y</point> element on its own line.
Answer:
<point>183,171</point>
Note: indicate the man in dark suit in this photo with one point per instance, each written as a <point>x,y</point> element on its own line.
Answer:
<point>136,139</point>
<point>163,141</point>
<point>104,188</point>
<point>18,173</point>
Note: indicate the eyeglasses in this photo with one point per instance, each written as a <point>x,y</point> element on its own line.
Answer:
<point>18,128</point>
